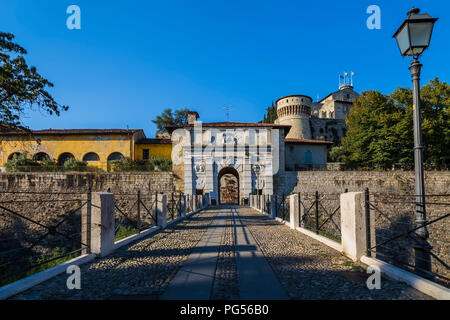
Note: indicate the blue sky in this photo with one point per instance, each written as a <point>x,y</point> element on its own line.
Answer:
<point>132,59</point>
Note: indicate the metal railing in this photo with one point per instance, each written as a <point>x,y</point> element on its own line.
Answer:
<point>39,230</point>
<point>391,232</point>
<point>134,212</point>
<point>175,205</point>
<point>282,206</point>
<point>320,212</point>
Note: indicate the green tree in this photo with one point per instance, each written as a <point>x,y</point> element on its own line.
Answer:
<point>271,114</point>
<point>381,128</point>
<point>169,117</point>
<point>21,86</point>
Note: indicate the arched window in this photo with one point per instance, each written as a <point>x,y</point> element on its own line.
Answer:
<point>115,156</point>
<point>41,156</point>
<point>64,157</point>
<point>91,156</point>
<point>13,154</point>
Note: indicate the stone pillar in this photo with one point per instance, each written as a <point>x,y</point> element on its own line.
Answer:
<point>161,211</point>
<point>102,223</point>
<point>302,211</point>
<point>294,211</point>
<point>272,206</point>
<point>183,205</point>
<point>194,202</point>
<point>353,225</point>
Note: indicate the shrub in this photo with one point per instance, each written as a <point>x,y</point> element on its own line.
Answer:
<point>21,162</point>
<point>161,164</point>
<point>125,164</point>
<point>73,164</point>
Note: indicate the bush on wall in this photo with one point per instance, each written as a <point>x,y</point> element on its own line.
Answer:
<point>125,164</point>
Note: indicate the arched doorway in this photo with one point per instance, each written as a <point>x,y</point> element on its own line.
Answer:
<point>228,186</point>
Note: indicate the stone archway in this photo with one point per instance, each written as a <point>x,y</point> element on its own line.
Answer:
<point>228,180</point>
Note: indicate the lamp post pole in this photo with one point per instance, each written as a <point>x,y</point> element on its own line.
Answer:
<point>422,247</point>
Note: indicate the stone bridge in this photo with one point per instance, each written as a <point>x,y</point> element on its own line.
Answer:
<point>224,252</point>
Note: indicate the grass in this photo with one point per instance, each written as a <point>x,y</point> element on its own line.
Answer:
<point>353,266</point>
<point>124,232</point>
<point>324,234</point>
<point>41,264</point>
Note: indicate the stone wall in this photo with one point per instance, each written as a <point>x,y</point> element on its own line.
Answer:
<point>383,181</point>
<point>80,182</point>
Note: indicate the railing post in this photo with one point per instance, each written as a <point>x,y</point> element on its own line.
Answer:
<point>317,211</point>
<point>276,205</point>
<point>155,215</point>
<point>161,211</point>
<point>300,211</point>
<point>367,215</point>
<point>353,225</point>
<point>179,205</point>
<point>86,218</point>
<point>272,206</point>
<point>194,202</point>
<point>183,208</point>
<point>172,206</point>
<point>293,211</point>
<point>138,223</point>
<point>283,205</point>
<point>102,234</point>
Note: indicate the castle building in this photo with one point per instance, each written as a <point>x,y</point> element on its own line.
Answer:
<point>227,160</point>
<point>314,126</point>
<point>322,120</point>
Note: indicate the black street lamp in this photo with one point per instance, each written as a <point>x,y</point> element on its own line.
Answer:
<point>413,37</point>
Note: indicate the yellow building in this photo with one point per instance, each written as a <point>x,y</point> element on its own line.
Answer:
<point>146,148</point>
<point>94,146</point>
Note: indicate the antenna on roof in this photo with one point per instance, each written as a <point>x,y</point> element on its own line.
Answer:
<point>227,109</point>
<point>344,80</point>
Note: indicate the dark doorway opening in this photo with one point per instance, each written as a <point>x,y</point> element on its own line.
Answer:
<point>228,186</point>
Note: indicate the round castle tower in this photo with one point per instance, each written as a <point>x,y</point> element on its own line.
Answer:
<point>295,110</point>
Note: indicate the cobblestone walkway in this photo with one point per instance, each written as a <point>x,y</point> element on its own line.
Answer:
<point>141,270</point>
<point>305,268</point>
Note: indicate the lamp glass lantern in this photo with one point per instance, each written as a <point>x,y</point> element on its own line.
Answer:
<point>414,35</point>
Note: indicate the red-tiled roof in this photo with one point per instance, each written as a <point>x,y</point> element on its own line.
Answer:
<point>154,141</point>
<point>171,128</point>
<point>307,141</point>
<point>76,131</point>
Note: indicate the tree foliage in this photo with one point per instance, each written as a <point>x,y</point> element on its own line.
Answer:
<point>169,117</point>
<point>380,128</point>
<point>271,114</point>
<point>21,86</point>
